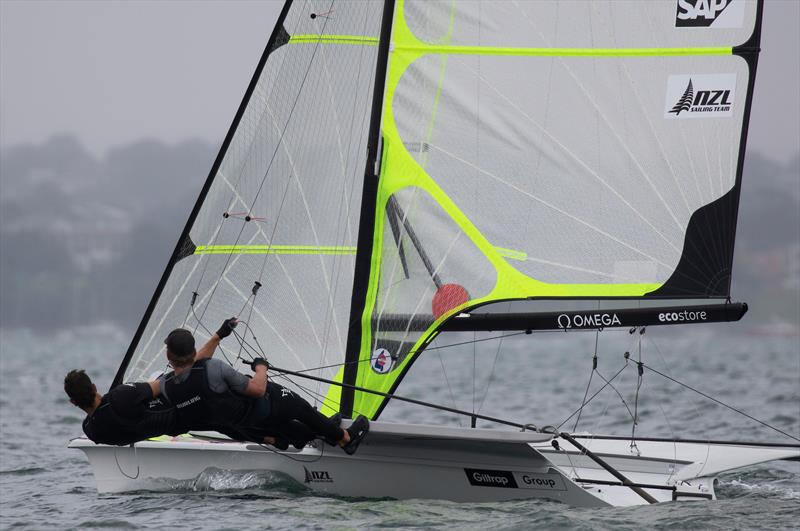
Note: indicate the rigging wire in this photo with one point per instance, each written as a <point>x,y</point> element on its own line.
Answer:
<point>624,403</point>
<point>490,380</point>
<point>639,375</point>
<point>474,369</point>
<point>721,403</point>
<point>589,384</point>
<point>608,382</point>
<point>607,404</point>
<point>343,225</point>
<point>257,351</point>
<point>210,334</point>
<point>664,413</point>
<point>284,372</point>
<point>447,381</point>
<point>264,179</point>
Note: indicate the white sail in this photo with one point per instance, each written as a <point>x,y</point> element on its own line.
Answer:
<point>282,205</point>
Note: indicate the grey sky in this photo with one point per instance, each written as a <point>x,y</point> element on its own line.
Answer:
<point>117,71</point>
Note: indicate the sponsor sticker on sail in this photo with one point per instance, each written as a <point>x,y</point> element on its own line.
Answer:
<point>709,14</point>
<point>700,96</point>
<point>381,361</point>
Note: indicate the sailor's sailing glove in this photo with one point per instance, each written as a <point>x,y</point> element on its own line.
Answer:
<point>258,361</point>
<point>227,327</point>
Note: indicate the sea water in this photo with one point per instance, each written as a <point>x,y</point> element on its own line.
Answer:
<point>538,378</point>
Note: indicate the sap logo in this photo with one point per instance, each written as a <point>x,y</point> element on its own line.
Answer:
<point>700,95</point>
<point>491,478</point>
<point>317,476</point>
<point>592,320</point>
<point>686,316</point>
<point>706,13</point>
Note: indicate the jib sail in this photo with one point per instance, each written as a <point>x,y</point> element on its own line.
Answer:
<point>281,205</point>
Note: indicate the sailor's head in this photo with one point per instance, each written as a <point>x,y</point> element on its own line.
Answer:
<point>180,347</point>
<point>80,389</point>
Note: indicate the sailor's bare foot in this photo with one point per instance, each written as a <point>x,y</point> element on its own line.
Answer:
<point>344,440</point>
<point>269,440</point>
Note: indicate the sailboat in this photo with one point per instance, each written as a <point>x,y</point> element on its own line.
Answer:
<point>398,167</point>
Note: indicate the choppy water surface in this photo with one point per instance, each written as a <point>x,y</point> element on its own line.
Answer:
<point>539,379</point>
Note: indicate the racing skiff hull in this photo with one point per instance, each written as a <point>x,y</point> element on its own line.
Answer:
<point>412,461</point>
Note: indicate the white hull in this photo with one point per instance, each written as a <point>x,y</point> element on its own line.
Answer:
<point>412,461</point>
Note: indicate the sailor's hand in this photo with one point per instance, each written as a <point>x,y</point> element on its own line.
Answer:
<point>227,327</point>
<point>258,361</point>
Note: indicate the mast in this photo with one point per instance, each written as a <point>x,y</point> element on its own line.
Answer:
<point>366,227</point>
<point>184,247</point>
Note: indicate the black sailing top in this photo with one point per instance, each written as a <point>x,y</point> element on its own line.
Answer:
<point>127,414</point>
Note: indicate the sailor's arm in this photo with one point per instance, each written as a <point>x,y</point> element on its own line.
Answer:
<point>207,350</point>
<point>257,385</point>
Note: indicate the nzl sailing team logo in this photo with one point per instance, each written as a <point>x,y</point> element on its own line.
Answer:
<point>381,361</point>
<point>317,476</point>
<point>710,13</point>
<point>700,96</point>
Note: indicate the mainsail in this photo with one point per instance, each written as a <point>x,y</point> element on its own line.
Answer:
<point>396,163</point>
<point>530,151</point>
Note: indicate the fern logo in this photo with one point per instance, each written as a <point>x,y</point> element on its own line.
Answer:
<point>700,96</point>
<point>317,476</point>
<point>685,103</point>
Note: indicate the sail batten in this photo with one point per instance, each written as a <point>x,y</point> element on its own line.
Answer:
<point>564,52</point>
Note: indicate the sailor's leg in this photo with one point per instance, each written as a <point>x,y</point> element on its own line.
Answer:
<point>287,406</point>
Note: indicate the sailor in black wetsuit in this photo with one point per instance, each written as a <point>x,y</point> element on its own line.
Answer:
<point>210,394</point>
<point>126,414</point>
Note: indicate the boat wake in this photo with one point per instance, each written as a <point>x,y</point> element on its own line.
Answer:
<point>219,480</point>
<point>737,488</point>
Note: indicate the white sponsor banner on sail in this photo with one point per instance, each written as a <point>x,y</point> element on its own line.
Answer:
<point>710,13</point>
<point>700,96</point>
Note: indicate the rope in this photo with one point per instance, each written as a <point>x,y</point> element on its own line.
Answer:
<point>721,403</point>
<point>257,351</point>
<point>588,385</point>
<point>640,373</point>
<point>608,382</point>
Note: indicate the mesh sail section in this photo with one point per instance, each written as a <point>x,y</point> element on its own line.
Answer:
<point>283,206</point>
<point>428,267</point>
<point>570,149</point>
<point>581,23</point>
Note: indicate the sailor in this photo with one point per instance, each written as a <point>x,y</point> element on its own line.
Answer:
<point>209,394</point>
<point>126,414</point>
